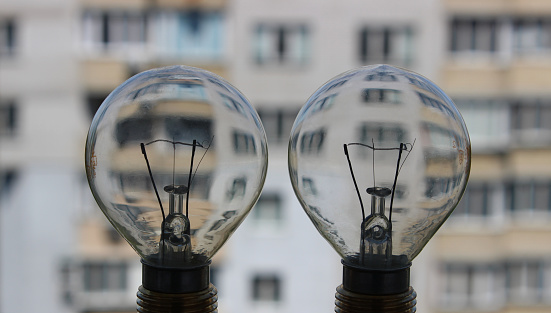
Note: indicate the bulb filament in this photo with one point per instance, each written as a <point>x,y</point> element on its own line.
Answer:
<point>376,228</point>
<point>175,242</point>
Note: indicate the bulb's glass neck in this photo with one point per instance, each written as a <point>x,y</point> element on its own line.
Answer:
<point>378,195</point>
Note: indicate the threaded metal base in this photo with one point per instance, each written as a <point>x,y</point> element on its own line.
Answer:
<point>204,301</point>
<point>351,302</point>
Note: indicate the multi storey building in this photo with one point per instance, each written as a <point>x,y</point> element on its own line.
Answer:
<point>59,59</point>
<point>492,254</point>
<point>41,124</point>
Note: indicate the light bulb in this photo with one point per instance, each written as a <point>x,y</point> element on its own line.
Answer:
<point>379,158</point>
<point>176,158</point>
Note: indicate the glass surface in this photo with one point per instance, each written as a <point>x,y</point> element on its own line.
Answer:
<point>206,150</point>
<point>379,158</point>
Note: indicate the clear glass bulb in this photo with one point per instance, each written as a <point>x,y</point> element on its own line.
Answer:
<point>176,157</point>
<point>379,158</point>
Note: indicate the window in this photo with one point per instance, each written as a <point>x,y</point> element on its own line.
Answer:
<point>266,288</point>
<point>237,188</point>
<point>8,32</point>
<point>188,129</point>
<point>376,95</point>
<point>439,137</point>
<point>381,77</point>
<point>531,35</point>
<point>66,272</point>
<point>233,104</point>
<point>188,89</point>
<point>387,135</point>
<point>527,281</point>
<point>103,276</point>
<point>113,235</point>
<point>534,116</point>
<point>243,143</point>
<point>527,198</point>
<point>8,178</point>
<point>474,35</point>
<point>193,34</point>
<point>278,123</point>
<point>386,45</point>
<point>134,130</point>
<point>435,104</point>
<point>471,286</point>
<point>309,186</point>
<point>436,187</point>
<point>94,101</point>
<point>281,44</point>
<point>487,121</point>
<point>133,183</point>
<point>113,29</point>
<point>312,141</point>
<point>339,83</point>
<point>8,118</point>
<point>322,104</point>
<point>475,202</point>
<point>268,209</point>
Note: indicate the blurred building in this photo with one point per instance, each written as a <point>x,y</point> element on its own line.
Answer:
<point>60,58</point>
<point>493,254</point>
<point>42,123</point>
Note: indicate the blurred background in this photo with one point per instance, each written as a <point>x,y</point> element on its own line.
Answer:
<point>60,58</point>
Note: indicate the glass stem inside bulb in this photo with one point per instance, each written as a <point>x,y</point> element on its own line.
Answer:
<point>376,236</point>
<point>176,239</point>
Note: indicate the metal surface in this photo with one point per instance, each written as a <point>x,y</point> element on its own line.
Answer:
<point>351,302</point>
<point>204,301</point>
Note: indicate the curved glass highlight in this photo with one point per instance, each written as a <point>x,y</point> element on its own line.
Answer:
<point>379,157</point>
<point>176,157</point>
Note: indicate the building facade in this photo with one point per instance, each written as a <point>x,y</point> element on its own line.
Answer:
<point>59,59</point>
<point>496,69</point>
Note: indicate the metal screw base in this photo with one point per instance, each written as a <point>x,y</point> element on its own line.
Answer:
<point>351,302</point>
<point>204,301</point>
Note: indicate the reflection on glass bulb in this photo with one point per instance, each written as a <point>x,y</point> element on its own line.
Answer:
<point>406,149</point>
<point>176,157</point>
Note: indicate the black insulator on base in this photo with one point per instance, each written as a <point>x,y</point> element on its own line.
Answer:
<point>175,280</point>
<point>375,281</point>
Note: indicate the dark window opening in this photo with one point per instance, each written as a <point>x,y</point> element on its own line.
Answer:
<point>385,45</point>
<point>8,34</point>
<point>93,102</point>
<point>237,188</point>
<point>134,130</point>
<point>277,123</point>
<point>470,34</point>
<point>475,201</point>
<point>243,143</point>
<point>102,276</point>
<point>268,207</point>
<point>266,288</point>
<point>186,130</point>
<point>8,179</point>
<point>281,44</point>
<point>8,117</point>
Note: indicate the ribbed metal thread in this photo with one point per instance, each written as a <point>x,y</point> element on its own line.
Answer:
<point>351,302</point>
<point>204,301</point>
